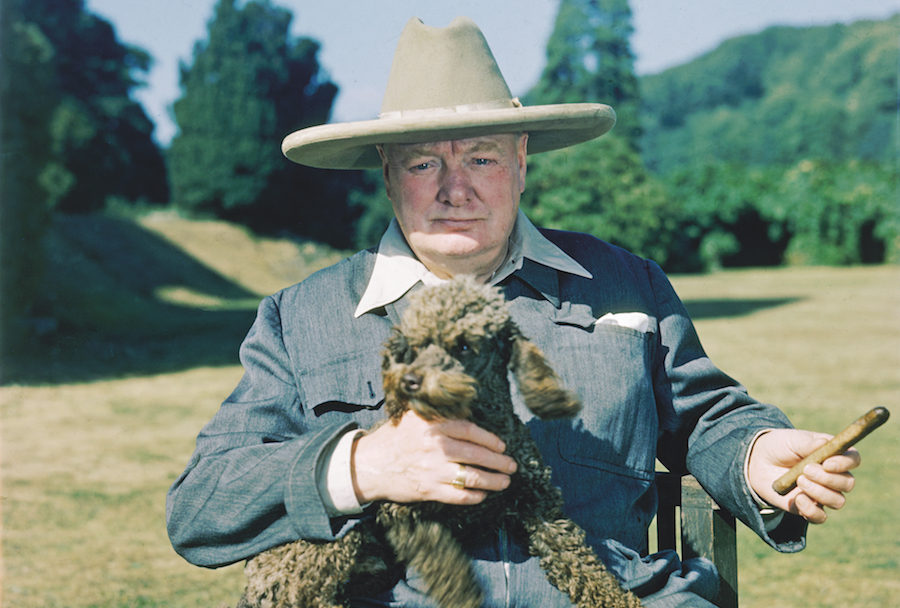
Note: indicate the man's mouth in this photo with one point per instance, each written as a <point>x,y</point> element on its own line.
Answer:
<point>456,223</point>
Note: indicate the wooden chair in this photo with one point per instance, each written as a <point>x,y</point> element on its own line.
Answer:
<point>706,530</point>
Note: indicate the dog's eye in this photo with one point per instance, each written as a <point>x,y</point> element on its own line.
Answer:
<point>462,347</point>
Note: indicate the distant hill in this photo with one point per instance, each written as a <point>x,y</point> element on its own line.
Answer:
<point>779,96</point>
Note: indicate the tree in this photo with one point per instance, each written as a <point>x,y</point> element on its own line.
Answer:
<point>249,85</point>
<point>589,59</point>
<point>724,218</point>
<point>101,138</point>
<point>26,57</point>
<point>838,213</point>
<point>777,97</point>
<point>601,188</point>
<point>373,208</point>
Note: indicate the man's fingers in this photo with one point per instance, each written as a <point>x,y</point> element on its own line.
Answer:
<point>477,456</point>
<point>838,482</point>
<point>821,495</point>
<point>809,509</point>
<point>469,485</point>
<point>841,463</point>
<point>472,445</point>
<point>472,433</point>
<point>480,479</point>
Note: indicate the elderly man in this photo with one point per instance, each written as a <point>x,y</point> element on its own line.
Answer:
<point>287,456</point>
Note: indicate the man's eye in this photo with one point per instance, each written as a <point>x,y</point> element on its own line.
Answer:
<point>422,166</point>
<point>482,161</point>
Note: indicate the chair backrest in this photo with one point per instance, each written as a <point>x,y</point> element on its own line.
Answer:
<point>706,530</point>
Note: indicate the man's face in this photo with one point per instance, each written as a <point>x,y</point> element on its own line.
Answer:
<point>456,201</point>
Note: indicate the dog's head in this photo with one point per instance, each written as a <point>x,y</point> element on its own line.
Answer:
<point>457,338</point>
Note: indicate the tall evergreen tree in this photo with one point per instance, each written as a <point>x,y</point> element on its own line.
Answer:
<point>600,186</point>
<point>589,58</point>
<point>249,85</point>
<point>102,139</point>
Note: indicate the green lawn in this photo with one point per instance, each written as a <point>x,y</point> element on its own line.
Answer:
<point>86,463</point>
<point>828,355</point>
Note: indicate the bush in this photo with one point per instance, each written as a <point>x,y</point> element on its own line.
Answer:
<point>839,213</point>
<point>813,212</point>
<point>720,220</point>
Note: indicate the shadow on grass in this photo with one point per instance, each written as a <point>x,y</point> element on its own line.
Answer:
<point>714,308</point>
<point>100,313</point>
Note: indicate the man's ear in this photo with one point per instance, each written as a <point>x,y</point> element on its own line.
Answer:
<point>385,170</point>
<point>522,157</point>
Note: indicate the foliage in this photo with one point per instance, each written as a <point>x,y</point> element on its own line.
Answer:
<point>374,209</point>
<point>26,57</point>
<point>250,84</point>
<point>101,138</point>
<point>589,59</point>
<point>779,96</point>
<point>600,187</point>
<point>779,147</point>
<point>839,213</point>
<point>811,212</point>
<point>720,220</point>
<point>72,137</point>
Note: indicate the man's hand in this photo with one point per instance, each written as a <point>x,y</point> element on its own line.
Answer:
<point>415,460</point>
<point>820,485</point>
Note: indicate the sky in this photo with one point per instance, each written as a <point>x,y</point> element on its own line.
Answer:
<point>358,37</point>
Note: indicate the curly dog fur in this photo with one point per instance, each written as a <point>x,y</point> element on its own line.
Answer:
<point>449,359</point>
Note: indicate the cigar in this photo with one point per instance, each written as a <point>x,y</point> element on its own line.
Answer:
<point>838,444</point>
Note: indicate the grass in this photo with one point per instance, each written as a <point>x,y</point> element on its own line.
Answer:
<point>826,357</point>
<point>90,447</point>
<point>85,470</point>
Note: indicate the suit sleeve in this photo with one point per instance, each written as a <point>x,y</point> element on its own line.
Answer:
<point>708,420</point>
<point>251,482</point>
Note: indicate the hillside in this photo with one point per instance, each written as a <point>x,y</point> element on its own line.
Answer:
<point>778,96</point>
<point>160,293</point>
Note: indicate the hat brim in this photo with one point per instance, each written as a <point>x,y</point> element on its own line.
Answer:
<point>351,145</point>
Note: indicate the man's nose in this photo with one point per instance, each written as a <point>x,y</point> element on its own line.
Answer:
<point>455,187</point>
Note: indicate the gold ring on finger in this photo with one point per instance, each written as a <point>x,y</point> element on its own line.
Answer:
<point>459,482</point>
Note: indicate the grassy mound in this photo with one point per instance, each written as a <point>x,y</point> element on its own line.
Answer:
<point>123,297</point>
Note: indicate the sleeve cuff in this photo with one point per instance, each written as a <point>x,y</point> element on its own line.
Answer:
<point>303,500</point>
<point>334,479</point>
<point>771,516</point>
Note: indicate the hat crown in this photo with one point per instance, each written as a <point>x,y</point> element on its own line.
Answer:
<point>444,68</point>
<point>445,84</point>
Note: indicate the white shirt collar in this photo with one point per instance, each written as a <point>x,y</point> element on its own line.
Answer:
<point>397,270</point>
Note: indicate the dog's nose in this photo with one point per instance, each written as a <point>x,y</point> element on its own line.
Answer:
<point>411,382</point>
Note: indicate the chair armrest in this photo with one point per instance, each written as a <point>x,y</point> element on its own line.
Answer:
<point>706,530</point>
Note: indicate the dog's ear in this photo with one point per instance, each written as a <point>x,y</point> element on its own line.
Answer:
<point>538,383</point>
<point>396,349</point>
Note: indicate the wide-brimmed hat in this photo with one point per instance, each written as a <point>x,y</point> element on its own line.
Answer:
<point>445,84</point>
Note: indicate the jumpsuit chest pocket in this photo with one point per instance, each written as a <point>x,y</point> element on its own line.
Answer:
<point>350,384</point>
<point>611,368</point>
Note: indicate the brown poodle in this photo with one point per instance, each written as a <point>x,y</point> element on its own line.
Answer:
<point>449,359</point>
